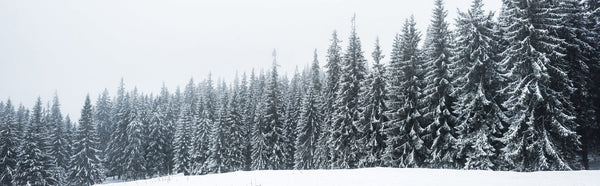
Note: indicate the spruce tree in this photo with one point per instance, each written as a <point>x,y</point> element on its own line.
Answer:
<point>372,114</point>
<point>206,116</point>
<point>334,60</point>
<point>343,141</point>
<point>103,117</point>
<point>477,107</point>
<point>273,117</point>
<point>237,134</point>
<point>540,114</point>
<point>22,120</point>
<point>115,151</point>
<point>9,145</point>
<point>85,166</point>
<point>581,59</point>
<point>36,166</point>
<point>134,162</point>
<point>183,141</point>
<point>218,161</point>
<point>184,134</point>
<point>60,147</point>
<point>157,144</point>
<point>439,132</point>
<point>311,121</point>
<point>405,145</point>
<point>246,109</point>
<point>292,118</point>
<point>260,152</point>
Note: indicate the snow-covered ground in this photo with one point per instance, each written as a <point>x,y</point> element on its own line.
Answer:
<point>376,176</point>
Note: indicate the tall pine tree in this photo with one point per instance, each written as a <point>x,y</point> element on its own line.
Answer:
<point>311,121</point>
<point>85,166</point>
<point>440,133</point>
<point>478,109</point>
<point>540,114</point>
<point>343,141</point>
<point>372,114</point>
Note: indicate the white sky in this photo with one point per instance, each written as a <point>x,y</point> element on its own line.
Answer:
<point>76,47</point>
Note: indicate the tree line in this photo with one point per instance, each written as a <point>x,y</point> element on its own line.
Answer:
<point>518,92</point>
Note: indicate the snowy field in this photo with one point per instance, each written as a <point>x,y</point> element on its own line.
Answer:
<point>376,176</point>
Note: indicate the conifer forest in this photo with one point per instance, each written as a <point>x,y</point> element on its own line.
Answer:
<point>515,90</point>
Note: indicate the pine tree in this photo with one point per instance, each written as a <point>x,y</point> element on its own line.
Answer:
<point>260,156</point>
<point>343,143</point>
<point>184,135</point>
<point>205,119</point>
<point>334,60</point>
<point>36,166</point>
<point>9,145</point>
<point>103,117</point>
<point>311,119</point>
<point>60,147</point>
<point>85,166</point>
<point>592,9</point>
<point>478,110</point>
<point>134,162</point>
<point>273,118</point>
<point>372,114</point>
<point>237,134</point>
<point>116,148</point>
<point>218,161</point>
<point>580,58</point>
<point>169,106</point>
<point>183,141</point>
<point>440,132</point>
<point>405,144</point>
<point>22,121</point>
<point>540,114</point>
<point>246,109</point>
<point>157,144</point>
<point>293,111</point>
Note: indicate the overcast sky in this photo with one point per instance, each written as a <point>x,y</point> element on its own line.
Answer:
<point>75,47</point>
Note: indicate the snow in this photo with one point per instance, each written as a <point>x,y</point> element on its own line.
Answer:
<point>376,176</point>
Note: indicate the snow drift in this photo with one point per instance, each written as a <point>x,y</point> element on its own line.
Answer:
<point>376,176</point>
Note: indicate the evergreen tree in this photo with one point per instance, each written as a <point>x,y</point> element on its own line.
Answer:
<point>260,156</point>
<point>592,9</point>
<point>540,114</point>
<point>246,109</point>
<point>85,166</point>
<point>184,134</point>
<point>9,145</point>
<point>293,111</point>
<point>372,114</point>
<point>218,161</point>
<point>183,141</point>
<point>116,148</point>
<point>60,147</point>
<point>440,132</point>
<point>36,166</point>
<point>274,126</point>
<point>343,143</point>
<point>405,144</point>
<point>334,60</point>
<point>237,134</point>
<point>157,144</point>
<point>581,60</point>
<point>206,115</point>
<point>103,117</point>
<point>477,107</point>
<point>134,165</point>
<point>309,127</point>
<point>270,140</point>
<point>22,121</point>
